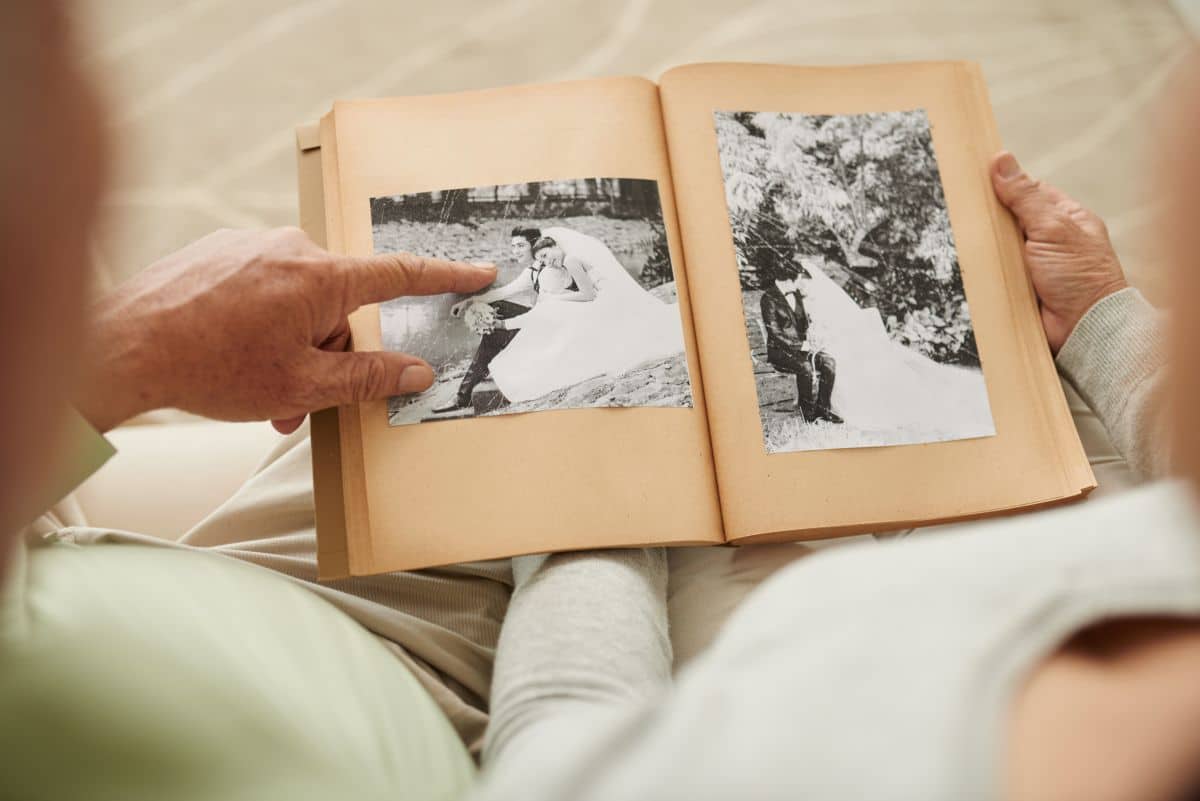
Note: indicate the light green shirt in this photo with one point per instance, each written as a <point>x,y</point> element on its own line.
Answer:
<point>134,672</point>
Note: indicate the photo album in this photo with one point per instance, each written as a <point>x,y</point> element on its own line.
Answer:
<point>746,303</point>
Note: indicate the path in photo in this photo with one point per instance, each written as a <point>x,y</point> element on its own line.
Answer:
<point>857,320</point>
<point>583,313</point>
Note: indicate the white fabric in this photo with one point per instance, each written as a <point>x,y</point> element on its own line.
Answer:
<point>869,672</point>
<point>883,385</point>
<point>561,343</point>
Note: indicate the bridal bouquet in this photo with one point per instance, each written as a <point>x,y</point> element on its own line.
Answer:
<point>480,318</point>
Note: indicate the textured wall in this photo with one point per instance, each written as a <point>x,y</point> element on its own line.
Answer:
<point>206,92</point>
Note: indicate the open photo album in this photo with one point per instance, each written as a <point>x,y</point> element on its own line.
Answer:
<point>746,303</point>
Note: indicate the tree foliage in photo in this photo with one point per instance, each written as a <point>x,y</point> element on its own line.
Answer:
<point>863,191</point>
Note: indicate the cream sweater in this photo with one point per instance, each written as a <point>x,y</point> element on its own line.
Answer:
<point>866,672</point>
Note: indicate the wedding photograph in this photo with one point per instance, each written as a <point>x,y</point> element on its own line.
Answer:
<point>858,324</point>
<point>583,313</point>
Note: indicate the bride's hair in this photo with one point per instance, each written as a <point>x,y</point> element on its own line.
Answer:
<point>530,235</point>
<point>543,243</point>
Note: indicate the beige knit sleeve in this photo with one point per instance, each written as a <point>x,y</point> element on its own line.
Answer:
<point>1115,358</point>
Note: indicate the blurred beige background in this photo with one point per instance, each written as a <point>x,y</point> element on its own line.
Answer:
<point>206,92</point>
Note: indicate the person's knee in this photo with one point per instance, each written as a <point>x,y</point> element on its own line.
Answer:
<point>506,309</point>
<point>782,366</point>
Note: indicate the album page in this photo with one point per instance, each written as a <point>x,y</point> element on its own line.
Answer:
<point>568,410</point>
<point>868,338</point>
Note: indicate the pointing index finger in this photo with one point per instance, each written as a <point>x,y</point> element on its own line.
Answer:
<point>374,279</point>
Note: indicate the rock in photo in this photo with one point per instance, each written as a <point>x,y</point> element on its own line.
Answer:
<point>583,314</point>
<point>858,324</point>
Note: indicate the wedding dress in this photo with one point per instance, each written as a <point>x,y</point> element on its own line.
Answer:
<point>884,386</point>
<point>561,343</point>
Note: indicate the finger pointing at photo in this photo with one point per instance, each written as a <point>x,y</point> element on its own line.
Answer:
<point>251,326</point>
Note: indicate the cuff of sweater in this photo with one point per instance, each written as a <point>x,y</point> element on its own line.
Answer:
<point>1116,345</point>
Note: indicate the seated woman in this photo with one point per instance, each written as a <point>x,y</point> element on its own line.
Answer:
<point>1049,656</point>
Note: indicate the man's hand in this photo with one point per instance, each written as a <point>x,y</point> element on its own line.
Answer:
<point>253,326</point>
<point>1067,249</point>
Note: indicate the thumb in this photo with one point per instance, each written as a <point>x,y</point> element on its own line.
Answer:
<point>1026,198</point>
<point>344,378</point>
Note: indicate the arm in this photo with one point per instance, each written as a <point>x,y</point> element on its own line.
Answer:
<point>522,283</point>
<point>777,318</point>
<point>81,452</point>
<point>1107,338</point>
<point>586,290</point>
<point>1115,358</point>
<point>253,326</point>
<point>584,645</point>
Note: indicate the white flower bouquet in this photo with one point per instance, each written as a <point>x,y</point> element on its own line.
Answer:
<point>481,318</point>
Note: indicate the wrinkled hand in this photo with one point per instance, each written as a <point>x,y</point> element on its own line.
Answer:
<point>253,326</point>
<point>1067,250</point>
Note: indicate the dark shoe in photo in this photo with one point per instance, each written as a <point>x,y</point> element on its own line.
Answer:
<point>830,416</point>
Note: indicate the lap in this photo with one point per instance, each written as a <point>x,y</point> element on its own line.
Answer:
<point>913,651</point>
<point>442,623</point>
<point>130,662</point>
<point>799,361</point>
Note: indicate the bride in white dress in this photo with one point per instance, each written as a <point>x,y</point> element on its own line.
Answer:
<point>565,339</point>
<point>882,385</point>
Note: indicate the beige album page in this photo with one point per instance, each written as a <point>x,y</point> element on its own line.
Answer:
<point>569,411</point>
<point>869,341</point>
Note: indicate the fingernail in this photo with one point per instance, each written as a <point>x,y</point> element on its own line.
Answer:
<point>1008,167</point>
<point>417,378</point>
<point>484,265</point>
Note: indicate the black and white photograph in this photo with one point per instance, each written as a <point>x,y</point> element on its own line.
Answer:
<point>583,313</point>
<point>857,319</point>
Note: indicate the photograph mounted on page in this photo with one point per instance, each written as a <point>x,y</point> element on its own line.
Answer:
<point>855,311</point>
<point>583,314</point>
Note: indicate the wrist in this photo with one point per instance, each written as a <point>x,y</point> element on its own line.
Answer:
<point>119,378</point>
<point>1107,289</point>
<point>1092,299</point>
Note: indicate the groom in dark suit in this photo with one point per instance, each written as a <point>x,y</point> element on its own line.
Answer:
<point>511,300</point>
<point>788,347</point>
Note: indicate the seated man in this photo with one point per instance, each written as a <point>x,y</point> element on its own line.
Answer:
<point>789,349</point>
<point>134,669</point>
<point>511,300</point>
